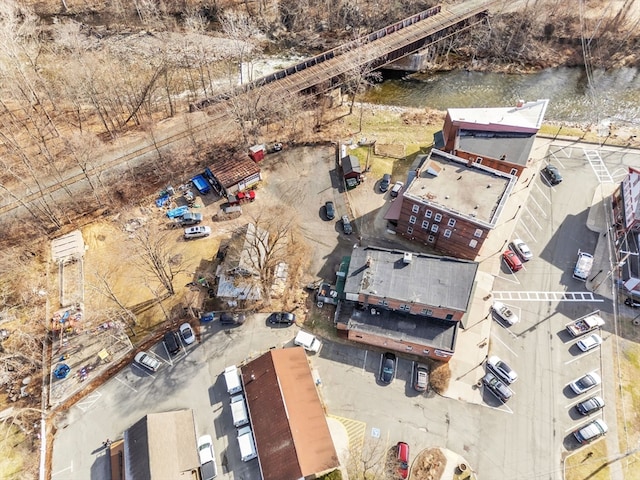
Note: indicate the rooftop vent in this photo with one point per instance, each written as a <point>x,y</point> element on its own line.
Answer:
<point>520,103</point>
<point>407,258</point>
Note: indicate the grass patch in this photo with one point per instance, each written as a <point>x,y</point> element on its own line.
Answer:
<point>594,465</point>
<point>14,452</point>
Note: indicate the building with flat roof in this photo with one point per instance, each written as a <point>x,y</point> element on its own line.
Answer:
<point>406,301</point>
<point>289,424</point>
<point>450,205</point>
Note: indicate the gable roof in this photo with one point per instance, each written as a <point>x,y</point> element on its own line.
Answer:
<point>161,445</point>
<point>230,171</point>
<point>289,425</point>
<point>426,279</point>
<point>254,250</point>
<point>351,164</point>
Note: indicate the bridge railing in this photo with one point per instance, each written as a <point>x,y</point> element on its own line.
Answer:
<point>323,57</point>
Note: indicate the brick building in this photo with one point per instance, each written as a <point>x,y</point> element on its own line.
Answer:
<point>449,205</point>
<point>499,138</point>
<point>403,301</point>
<point>626,218</point>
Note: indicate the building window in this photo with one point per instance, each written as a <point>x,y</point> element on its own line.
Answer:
<point>449,316</point>
<point>427,312</point>
<point>425,224</point>
<point>409,230</point>
<point>473,243</point>
<point>478,159</point>
<point>405,307</point>
<point>412,219</point>
<point>477,233</point>
<point>428,214</point>
<point>431,239</point>
<point>452,222</point>
<point>425,351</point>
<point>381,302</point>
<point>408,348</point>
<point>384,303</point>
<point>447,233</point>
<point>514,171</point>
<point>434,228</point>
<point>415,208</point>
<point>438,217</point>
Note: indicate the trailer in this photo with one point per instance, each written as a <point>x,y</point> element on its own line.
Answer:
<point>232,379</point>
<point>584,325</point>
<point>246,444</point>
<point>239,411</point>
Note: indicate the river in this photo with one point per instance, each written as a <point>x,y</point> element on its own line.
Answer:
<point>615,94</point>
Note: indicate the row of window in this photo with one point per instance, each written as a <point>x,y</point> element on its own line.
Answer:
<point>428,214</point>
<point>473,243</point>
<point>406,308</point>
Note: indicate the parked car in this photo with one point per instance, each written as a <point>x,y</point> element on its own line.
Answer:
<point>501,369</point>
<point>207,317</point>
<point>329,210</point>
<point>387,367</point>
<point>186,332</point>
<point>591,431</point>
<point>346,225</point>
<point>585,383</point>
<point>385,182</point>
<point>630,302</point>
<point>553,174</point>
<point>282,318</point>
<point>170,340</point>
<point>590,405</point>
<point>232,318</point>
<point>498,388</point>
<point>396,188</point>
<point>522,249</point>
<point>512,260</point>
<point>147,361</point>
<point>403,459</point>
<point>421,378</point>
<point>592,341</point>
<point>208,467</point>
<point>197,232</point>
<point>505,313</point>
<point>190,218</point>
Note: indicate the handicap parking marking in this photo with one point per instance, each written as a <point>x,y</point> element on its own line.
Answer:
<point>89,400</point>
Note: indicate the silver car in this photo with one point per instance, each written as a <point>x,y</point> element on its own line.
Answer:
<point>197,232</point>
<point>501,369</point>
<point>522,249</point>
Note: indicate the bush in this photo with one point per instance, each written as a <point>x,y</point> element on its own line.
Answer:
<point>439,376</point>
<point>334,475</point>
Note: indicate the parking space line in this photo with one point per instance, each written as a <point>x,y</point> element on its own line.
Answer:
<point>129,386</point>
<point>507,346</point>
<point>89,400</point>
<point>503,407</point>
<point>543,193</point>
<point>529,232</point>
<point>581,355</point>
<point>581,424</point>
<point>543,212</point>
<point>69,468</point>
<point>533,217</point>
<point>517,282</point>
<point>364,362</point>
<point>563,150</point>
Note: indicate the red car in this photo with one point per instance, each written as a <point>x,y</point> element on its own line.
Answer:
<point>403,459</point>
<point>512,260</point>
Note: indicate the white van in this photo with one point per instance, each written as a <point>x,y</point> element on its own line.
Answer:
<point>239,411</point>
<point>246,444</point>
<point>583,266</point>
<point>307,341</point>
<point>232,379</point>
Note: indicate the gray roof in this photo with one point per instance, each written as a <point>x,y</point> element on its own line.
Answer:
<point>428,279</point>
<point>515,147</point>
<point>351,164</point>
<point>161,445</point>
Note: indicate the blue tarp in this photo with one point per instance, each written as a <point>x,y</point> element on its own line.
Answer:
<point>201,184</point>
<point>177,212</point>
<point>162,200</point>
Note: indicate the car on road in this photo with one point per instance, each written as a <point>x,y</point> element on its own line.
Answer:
<point>590,405</point>
<point>553,174</point>
<point>186,332</point>
<point>402,456</point>
<point>346,225</point>
<point>585,383</point>
<point>505,313</point>
<point>501,369</point>
<point>385,182</point>
<point>498,388</point>
<point>329,210</point>
<point>421,378</point>
<point>147,361</point>
<point>170,340</point>
<point>282,318</point>
<point>592,341</point>
<point>232,318</point>
<point>522,249</point>
<point>197,232</point>
<point>512,260</point>
<point>208,467</point>
<point>591,431</point>
<point>387,367</point>
<point>396,188</point>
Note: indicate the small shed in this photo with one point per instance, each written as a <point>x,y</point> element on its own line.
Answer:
<point>351,170</point>
<point>257,152</point>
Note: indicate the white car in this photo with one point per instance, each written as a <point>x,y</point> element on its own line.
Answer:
<point>501,369</point>
<point>522,250</point>
<point>147,361</point>
<point>208,466</point>
<point>505,313</point>
<point>592,341</point>
<point>586,382</point>
<point>186,332</point>
<point>197,232</point>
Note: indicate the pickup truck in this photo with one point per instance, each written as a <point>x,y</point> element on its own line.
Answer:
<point>190,218</point>
<point>585,324</point>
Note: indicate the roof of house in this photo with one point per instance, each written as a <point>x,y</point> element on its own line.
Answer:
<point>67,247</point>
<point>474,192</point>
<point>427,279</point>
<point>230,171</point>
<point>526,117</point>
<point>289,425</point>
<point>510,147</point>
<point>351,164</point>
<point>248,259</point>
<point>161,445</point>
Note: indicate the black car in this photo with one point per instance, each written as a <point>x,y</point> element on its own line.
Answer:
<point>282,318</point>
<point>553,174</point>
<point>346,225</point>
<point>385,182</point>
<point>590,405</point>
<point>232,318</point>
<point>631,302</point>
<point>387,367</point>
<point>171,342</point>
<point>329,210</point>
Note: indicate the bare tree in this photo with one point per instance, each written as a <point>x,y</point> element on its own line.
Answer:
<point>102,284</point>
<point>367,462</point>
